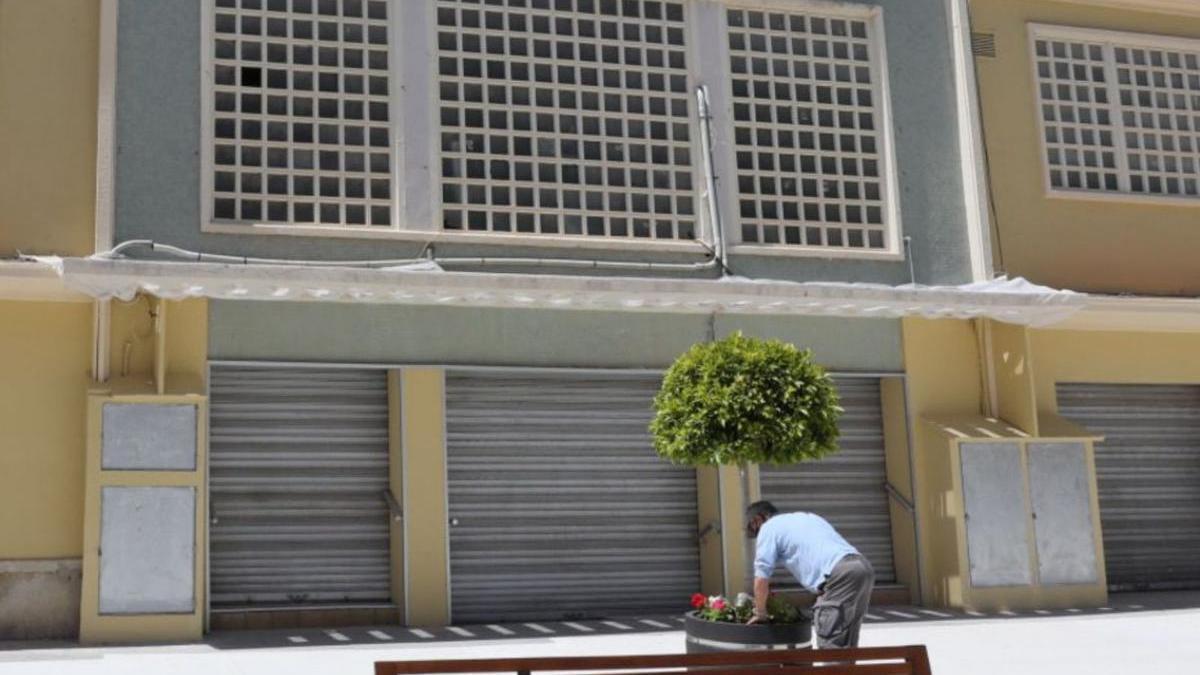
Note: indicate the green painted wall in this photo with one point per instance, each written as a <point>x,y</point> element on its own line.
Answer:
<point>284,331</point>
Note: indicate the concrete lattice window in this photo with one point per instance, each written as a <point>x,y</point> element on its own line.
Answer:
<point>566,117</point>
<point>544,122</point>
<point>300,112</point>
<point>1120,112</point>
<point>808,131</point>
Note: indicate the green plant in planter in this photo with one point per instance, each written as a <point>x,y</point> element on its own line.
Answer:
<point>743,400</point>
<point>717,608</point>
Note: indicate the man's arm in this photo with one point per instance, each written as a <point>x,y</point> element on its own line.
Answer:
<point>762,590</point>
<point>765,556</point>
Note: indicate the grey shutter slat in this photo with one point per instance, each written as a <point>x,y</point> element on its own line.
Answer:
<point>297,468</point>
<point>847,488</point>
<point>563,509</point>
<point>1148,476</point>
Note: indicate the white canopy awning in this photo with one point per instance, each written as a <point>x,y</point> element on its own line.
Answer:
<point>1010,300</point>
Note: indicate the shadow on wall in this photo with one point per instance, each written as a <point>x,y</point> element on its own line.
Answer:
<point>39,599</point>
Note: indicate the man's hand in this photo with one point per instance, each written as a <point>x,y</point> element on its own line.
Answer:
<point>762,590</point>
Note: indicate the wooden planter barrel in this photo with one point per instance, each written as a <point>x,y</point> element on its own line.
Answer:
<point>714,636</point>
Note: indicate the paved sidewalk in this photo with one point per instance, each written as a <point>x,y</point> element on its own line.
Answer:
<point>1135,635</point>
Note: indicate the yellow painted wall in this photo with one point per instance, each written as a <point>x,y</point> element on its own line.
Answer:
<point>48,76</point>
<point>1083,244</point>
<point>1013,366</point>
<point>427,591</point>
<point>899,475</point>
<point>132,332</point>
<point>1112,357</point>
<point>712,562</point>
<point>45,355</point>
<point>738,549</point>
<point>941,360</point>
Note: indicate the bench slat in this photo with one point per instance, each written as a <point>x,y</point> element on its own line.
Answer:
<point>903,660</point>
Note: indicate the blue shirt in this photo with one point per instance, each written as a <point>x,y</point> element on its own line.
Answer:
<point>804,543</point>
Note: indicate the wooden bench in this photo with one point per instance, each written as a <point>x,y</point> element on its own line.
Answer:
<point>910,660</point>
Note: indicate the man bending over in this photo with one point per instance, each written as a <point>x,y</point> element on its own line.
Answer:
<point>821,560</point>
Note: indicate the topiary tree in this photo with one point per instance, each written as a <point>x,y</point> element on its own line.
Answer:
<point>743,400</point>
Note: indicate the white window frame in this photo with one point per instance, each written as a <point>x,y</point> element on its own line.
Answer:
<point>207,139</point>
<point>427,228</point>
<point>1110,38</point>
<point>703,228</point>
<point>881,89</point>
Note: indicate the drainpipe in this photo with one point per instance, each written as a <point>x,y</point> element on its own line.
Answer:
<point>106,75</point>
<point>710,178</point>
<point>160,346</point>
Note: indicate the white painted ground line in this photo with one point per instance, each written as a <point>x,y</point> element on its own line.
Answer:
<point>617,625</point>
<point>873,617</point>
<point>1135,607</point>
<point>579,627</point>
<point>654,624</point>
<point>902,615</point>
<point>340,637</point>
<point>423,634</point>
<point>539,628</point>
<point>460,631</point>
<point>1006,612</point>
<point>972,612</point>
<point>380,635</point>
<point>1042,612</point>
<point>680,619</point>
<point>296,639</point>
<point>500,629</point>
<point>940,615</point>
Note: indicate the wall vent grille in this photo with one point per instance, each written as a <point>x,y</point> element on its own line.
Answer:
<point>983,45</point>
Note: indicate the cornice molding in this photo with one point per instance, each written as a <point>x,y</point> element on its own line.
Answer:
<point>1182,7</point>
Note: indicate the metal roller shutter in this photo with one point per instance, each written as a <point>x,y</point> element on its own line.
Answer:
<point>847,488</point>
<point>1148,478</point>
<point>559,506</point>
<point>297,470</point>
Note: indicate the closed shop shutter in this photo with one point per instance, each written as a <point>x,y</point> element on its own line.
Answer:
<point>1148,478</point>
<point>559,506</point>
<point>846,488</point>
<point>297,471</point>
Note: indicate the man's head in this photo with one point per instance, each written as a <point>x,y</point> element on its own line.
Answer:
<point>757,514</point>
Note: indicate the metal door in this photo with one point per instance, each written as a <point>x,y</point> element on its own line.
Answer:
<point>559,505</point>
<point>1148,478</point>
<point>846,488</point>
<point>297,472</point>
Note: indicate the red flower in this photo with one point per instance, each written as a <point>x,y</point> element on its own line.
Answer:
<point>698,600</point>
<point>718,604</point>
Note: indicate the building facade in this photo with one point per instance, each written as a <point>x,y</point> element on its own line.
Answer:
<point>385,289</point>
<point>1091,114</point>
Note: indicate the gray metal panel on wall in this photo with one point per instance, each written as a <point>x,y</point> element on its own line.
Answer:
<point>559,505</point>
<point>148,436</point>
<point>147,550</point>
<point>1148,479</point>
<point>344,333</point>
<point>1060,489</point>
<point>996,514</point>
<point>847,488</point>
<point>298,467</point>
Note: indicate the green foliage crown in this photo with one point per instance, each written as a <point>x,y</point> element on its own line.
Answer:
<point>743,400</point>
